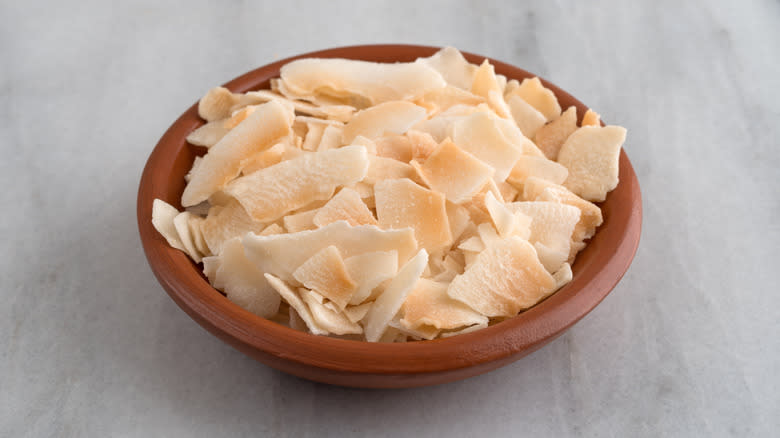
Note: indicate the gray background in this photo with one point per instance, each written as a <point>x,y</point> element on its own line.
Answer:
<point>687,345</point>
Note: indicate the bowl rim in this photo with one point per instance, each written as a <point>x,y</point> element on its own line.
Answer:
<point>252,334</point>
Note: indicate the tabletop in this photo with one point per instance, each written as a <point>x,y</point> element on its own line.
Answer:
<point>686,345</point>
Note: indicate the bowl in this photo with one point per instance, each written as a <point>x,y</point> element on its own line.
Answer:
<point>597,270</point>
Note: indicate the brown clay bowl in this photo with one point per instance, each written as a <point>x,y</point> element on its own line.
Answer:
<point>361,364</point>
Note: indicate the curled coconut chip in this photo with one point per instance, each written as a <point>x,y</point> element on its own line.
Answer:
<point>256,133</point>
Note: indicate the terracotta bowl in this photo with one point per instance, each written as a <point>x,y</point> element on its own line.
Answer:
<point>361,364</point>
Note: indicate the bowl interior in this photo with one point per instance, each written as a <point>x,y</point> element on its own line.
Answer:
<point>596,270</point>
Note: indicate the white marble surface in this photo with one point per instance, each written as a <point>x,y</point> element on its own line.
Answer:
<point>687,345</point>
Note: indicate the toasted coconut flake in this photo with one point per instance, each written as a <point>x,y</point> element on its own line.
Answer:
<point>369,270</point>
<point>435,266</point>
<point>182,224</point>
<point>225,223</point>
<point>506,278</point>
<point>291,152</point>
<point>258,132</point>
<point>458,218</point>
<point>367,143</point>
<point>209,134</point>
<point>195,224</point>
<point>477,211</point>
<point>346,205</point>
<point>438,127</point>
<point>163,215</point>
<point>325,273</point>
<point>341,113</point>
<point>264,159</point>
<point>357,313</point>
<point>592,154</point>
<point>500,222</point>
<point>539,167</point>
<point>476,206</point>
<point>354,101</point>
<point>446,275</point>
<point>551,136</point>
<point>366,192</point>
<point>390,301</point>
<point>445,98</point>
<point>317,121</point>
<point>243,283</point>
<point>430,108</point>
<point>508,191</point>
<point>333,320</point>
<point>551,230</point>
<point>497,103</point>
<point>486,85</point>
<point>239,116</point>
<point>195,163</point>
<point>283,253</point>
<point>502,81</point>
<point>481,136</point>
<point>210,266</point>
<point>522,226</point>
<point>246,100</point>
<point>331,138</point>
<point>563,276</point>
<point>422,143</point>
<point>301,221</point>
<point>372,81</point>
<point>536,189</point>
<point>469,257</point>
<point>541,98</point>
<point>397,147</point>
<point>527,118</point>
<point>428,304</point>
<point>473,244</point>
<point>485,80</point>
<point>313,136</point>
<point>454,260</point>
<point>512,133</point>
<point>216,104</point>
<point>270,193</point>
<point>294,300</point>
<point>503,219</point>
<point>271,230</point>
<point>488,234</point>
<point>511,87</point>
<point>454,172</point>
<point>382,168</point>
<point>300,128</point>
<point>591,118</point>
<point>395,117</point>
<point>401,203</point>
<point>590,217</point>
<point>422,332</point>
<point>452,66</point>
